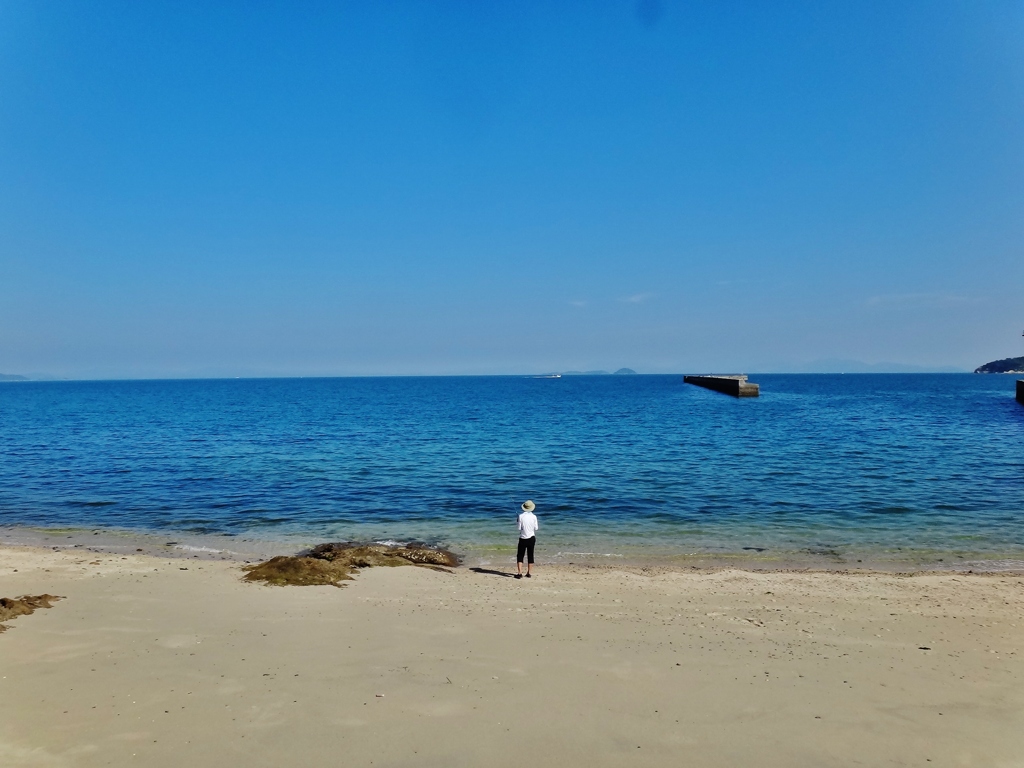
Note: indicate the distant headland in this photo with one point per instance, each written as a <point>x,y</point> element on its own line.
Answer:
<point>12,377</point>
<point>1006,365</point>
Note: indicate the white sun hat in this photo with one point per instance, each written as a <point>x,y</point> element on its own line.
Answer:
<point>528,506</point>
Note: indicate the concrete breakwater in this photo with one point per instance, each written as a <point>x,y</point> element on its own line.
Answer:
<point>737,385</point>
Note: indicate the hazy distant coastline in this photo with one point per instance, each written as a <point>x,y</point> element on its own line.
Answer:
<point>30,377</point>
<point>620,372</point>
<point>814,367</point>
<point>855,366</point>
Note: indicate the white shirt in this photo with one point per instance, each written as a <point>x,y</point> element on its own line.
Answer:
<point>528,525</point>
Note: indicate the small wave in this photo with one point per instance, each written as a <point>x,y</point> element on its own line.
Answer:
<point>188,548</point>
<point>589,554</point>
<point>992,566</point>
<point>389,543</point>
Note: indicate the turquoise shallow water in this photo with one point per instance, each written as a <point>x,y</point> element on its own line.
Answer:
<point>924,468</point>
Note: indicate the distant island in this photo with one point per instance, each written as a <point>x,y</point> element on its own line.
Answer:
<point>1006,365</point>
<point>620,372</point>
<point>12,377</point>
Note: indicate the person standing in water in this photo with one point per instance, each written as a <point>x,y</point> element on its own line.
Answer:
<point>528,525</point>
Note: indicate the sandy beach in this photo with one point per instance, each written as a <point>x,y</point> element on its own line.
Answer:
<point>170,662</point>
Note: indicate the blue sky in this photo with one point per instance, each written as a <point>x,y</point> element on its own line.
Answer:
<point>259,188</point>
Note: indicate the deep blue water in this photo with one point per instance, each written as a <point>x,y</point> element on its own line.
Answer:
<point>834,464</point>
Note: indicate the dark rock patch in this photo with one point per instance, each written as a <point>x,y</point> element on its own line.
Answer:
<point>13,607</point>
<point>331,564</point>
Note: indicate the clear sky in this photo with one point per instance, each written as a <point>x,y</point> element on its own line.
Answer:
<point>261,188</point>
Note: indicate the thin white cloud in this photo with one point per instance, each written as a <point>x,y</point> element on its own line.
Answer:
<point>637,298</point>
<point>577,303</point>
<point>913,300</point>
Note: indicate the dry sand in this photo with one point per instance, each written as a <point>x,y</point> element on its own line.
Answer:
<point>147,664</point>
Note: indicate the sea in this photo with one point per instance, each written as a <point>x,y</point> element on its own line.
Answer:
<point>890,471</point>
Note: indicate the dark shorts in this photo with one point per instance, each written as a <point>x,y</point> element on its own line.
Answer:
<point>526,547</point>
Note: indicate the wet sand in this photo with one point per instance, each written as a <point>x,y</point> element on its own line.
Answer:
<point>168,662</point>
<point>249,548</point>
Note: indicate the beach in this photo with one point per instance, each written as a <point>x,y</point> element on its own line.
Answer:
<point>303,307</point>
<point>164,661</point>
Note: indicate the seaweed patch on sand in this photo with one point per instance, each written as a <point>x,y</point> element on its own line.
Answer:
<point>331,564</point>
<point>13,607</point>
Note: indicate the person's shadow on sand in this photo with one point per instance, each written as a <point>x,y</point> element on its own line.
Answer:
<point>491,573</point>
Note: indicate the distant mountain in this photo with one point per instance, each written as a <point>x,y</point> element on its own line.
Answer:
<point>11,377</point>
<point>1006,365</point>
<point>624,371</point>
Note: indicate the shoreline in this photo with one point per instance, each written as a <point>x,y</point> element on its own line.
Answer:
<point>164,661</point>
<point>250,549</point>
